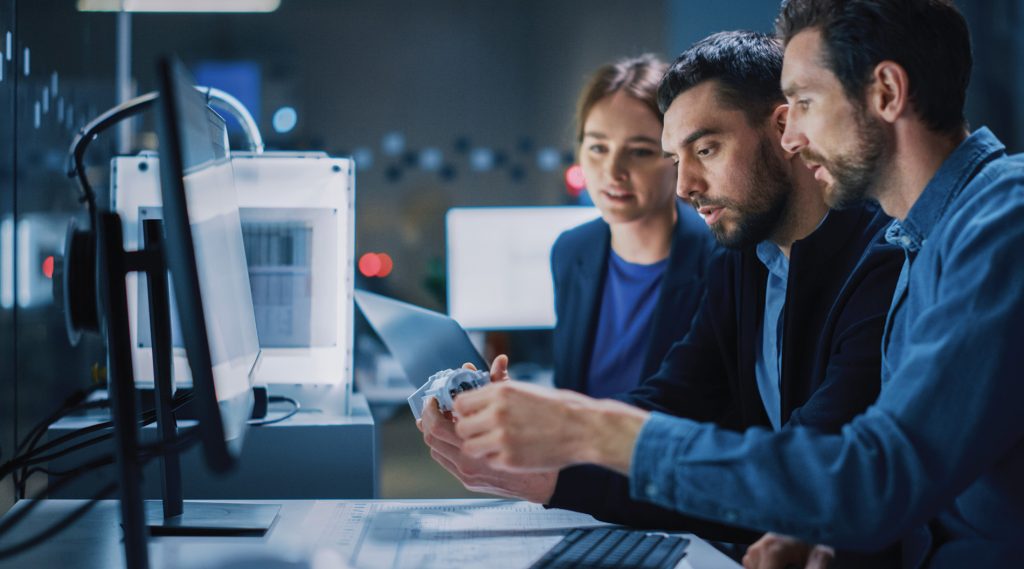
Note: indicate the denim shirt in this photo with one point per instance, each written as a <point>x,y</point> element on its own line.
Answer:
<point>938,460</point>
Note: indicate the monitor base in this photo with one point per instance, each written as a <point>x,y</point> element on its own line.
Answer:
<point>212,519</point>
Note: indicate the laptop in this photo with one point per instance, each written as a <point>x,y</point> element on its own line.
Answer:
<point>423,341</point>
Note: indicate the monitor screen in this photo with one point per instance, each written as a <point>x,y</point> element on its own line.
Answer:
<point>499,264</point>
<point>206,258</point>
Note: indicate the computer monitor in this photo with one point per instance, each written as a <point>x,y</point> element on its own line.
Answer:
<point>205,255</point>
<point>499,264</point>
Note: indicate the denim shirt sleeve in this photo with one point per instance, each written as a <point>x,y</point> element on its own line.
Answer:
<point>653,458</point>
<point>949,415</point>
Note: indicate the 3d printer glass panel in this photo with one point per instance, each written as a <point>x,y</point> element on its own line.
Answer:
<point>280,252</point>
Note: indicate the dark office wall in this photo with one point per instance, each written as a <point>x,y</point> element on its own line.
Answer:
<point>490,74</point>
<point>996,96</point>
<point>691,20</point>
<point>60,73</point>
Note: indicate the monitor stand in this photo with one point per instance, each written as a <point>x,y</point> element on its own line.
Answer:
<point>171,516</point>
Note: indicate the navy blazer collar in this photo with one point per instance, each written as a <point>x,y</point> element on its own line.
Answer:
<point>592,262</point>
<point>685,264</point>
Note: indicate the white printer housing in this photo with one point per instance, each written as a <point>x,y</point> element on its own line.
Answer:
<point>297,212</point>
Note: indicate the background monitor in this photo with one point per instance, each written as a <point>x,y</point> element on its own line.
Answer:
<point>499,264</point>
<point>205,255</point>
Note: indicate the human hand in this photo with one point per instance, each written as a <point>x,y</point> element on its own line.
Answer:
<point>475,474</point>
<point>499,368</point>
<point>775,551</point>
<point>515,426</point>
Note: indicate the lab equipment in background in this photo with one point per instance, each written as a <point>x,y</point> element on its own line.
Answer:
<point>204,253</point>
<point>290,450</point>
<point>499,264</point>
<point>298,227</point>
<point>39,241</point>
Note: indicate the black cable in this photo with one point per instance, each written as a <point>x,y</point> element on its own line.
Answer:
<point>277,399</point>
<point>68,437</point>
<point>188,438</point>
<point>73,404</point>
<point>147,452</point>
<point>130,108</point>
<point>89,133</point>
<point>147,417</point>
<point>39,430</point>
<point>68,450</point>
<point>70,405</point>
<point>33,438</point>
<point>185,439</point>
<point>60,473</point>
<point>30,457</point>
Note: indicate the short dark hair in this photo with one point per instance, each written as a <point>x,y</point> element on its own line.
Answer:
<point>746,65</point>
<point>928,38</point>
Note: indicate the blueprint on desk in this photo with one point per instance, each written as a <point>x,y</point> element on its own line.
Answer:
<point>497,534</point>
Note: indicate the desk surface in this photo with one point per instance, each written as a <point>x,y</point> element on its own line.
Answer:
<point>323,533</point>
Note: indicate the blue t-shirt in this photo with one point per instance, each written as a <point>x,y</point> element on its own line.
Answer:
<point>623,326</point>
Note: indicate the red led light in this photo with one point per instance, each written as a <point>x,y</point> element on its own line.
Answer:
<point>376,265</point>
<point>574,181</point>
<point>48,267</point>
<point>370,264</point>
<point>386,264</point>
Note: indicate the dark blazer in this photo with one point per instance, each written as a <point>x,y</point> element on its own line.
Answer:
<point>841,281</point>
<point>579,260</point>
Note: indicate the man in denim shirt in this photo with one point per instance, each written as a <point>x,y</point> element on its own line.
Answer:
<point>876,91</point>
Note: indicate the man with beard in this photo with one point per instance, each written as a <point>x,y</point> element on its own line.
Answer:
<point>876,89</point>
<point>788,333</point>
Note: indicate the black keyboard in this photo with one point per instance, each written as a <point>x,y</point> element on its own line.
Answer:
<point>610,547</point>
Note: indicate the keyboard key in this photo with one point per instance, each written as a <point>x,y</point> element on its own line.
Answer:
<point>613,547</point>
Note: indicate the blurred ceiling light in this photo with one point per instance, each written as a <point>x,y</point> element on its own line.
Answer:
<point>178,5</point>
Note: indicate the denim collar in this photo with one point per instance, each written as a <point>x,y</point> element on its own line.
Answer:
<point>772,258</point>
<point>954,174</point>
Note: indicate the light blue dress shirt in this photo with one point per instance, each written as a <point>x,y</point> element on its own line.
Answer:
<point>768,364</point>
<point>938,460</point>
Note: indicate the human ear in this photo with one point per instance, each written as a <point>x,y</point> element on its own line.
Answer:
<point>777,126</point>
<point>889,93</point>
<point>779,117</point>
